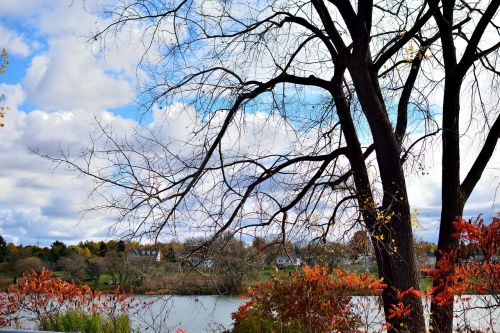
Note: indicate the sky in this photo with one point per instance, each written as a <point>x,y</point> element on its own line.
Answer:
<point>57,86</point>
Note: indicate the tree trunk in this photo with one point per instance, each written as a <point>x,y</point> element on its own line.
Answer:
<point>452,199</point>
<point>362,183</point>
<point>396,260</point>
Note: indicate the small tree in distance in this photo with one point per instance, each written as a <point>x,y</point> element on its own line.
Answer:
<point>95,268</point>
<point>359,244</point>
<point>103,249</point>
<point>75,266</point>
<point>26,265</point>
<point>57,251</point>
<point>3,249</point>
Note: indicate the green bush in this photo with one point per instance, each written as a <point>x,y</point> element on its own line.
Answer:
<point>82,322</point>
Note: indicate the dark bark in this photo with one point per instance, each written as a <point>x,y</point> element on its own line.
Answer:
<point>400,272</point>
<point>363,189</point>
<point>453,194</point>
<point>452,203</point>
<point>442,316</point>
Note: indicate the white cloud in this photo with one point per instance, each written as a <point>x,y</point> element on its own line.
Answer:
<point>67,17</point>
<point>22,9</point>
<point>175,123</point>
<point>35,201</point>
<point>29,225</point>
<point>67,76</point>
<point>70,73</point>
<point>260,133</point>
<point>119,53</point>
<point>424,186</point>
<point>14,43</point>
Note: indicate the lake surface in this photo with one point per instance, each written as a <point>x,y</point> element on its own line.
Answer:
<point>166,313</point>
<point>198,314</point>
<point>213,313</point>
<point>192,313</point>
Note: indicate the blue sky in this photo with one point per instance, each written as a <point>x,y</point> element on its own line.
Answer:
<point>56,85</point>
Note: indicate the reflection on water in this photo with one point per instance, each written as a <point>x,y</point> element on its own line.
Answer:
<point>192,313</point>
<point>213,313</point>
<point>197,314</point>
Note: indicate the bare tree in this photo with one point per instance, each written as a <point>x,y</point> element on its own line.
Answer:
<point>26,265</point>
<point>75,266</point>
<point>95,269</point>
<point>343,79</point>
<point>117,265</point>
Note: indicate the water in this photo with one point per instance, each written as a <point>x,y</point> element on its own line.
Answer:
<point>164,314</point>
<point>192,313</point>
<point>213,313</point>
<point>197,314</point>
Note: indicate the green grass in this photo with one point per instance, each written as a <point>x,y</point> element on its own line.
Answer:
<point>425,283</point>
<point>60,274</point>
<point>265,273</point>
<point>73,321</point>
<point>102,279</point>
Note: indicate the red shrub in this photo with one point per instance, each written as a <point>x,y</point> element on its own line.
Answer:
<point>38,296</point>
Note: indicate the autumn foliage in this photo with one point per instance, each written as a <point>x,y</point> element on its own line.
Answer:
<point>319,300</point>
<point>315,300</point>
<point>471,267</point>
<point>41,296</point>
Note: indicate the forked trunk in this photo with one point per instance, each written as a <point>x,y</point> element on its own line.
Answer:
<point>392,238</point>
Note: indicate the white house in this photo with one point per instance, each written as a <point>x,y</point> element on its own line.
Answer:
<point>200,262</point>
<point>282,260</point>
<point>153,254</point>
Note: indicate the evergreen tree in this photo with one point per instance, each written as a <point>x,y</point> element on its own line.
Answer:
<point>103,248</point>
<point>120,246</point>
<point>3,249</point>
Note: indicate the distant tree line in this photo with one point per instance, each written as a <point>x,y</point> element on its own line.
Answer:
<point>232,260</point>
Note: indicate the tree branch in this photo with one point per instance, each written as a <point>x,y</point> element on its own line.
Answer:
<point>481,161</point>
<point>470,51</point>
<point>396,47</point>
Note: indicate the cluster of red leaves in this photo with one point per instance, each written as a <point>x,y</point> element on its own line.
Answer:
<point>317,298</point>
<point>320,300</point>
<point>472,266</point>
<point>401,309</point>
<point>40,295</point>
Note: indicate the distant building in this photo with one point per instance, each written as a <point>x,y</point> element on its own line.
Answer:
<point>309,260</point>
<point>200,262</point>
<point>364,259</point>
<point>426,262</point>
<point>282,260</point>
<point>430,261</point>
<point>153,254</point>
